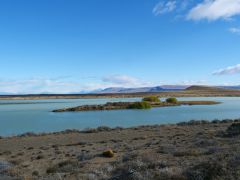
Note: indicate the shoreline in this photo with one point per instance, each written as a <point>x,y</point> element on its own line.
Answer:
<point>72,153</point>
<point>107,128</point>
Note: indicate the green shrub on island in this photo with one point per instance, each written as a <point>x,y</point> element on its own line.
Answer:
<point>172,100</point>
<point>140,105</point>
<point>151,99</point>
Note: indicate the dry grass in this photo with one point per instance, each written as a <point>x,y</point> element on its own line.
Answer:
<point>192,150</point>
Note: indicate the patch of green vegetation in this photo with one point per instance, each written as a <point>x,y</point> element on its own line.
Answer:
<point>172,100</point>
<point>140,105</point>
<point>109,153</point>
<point>151,99</point>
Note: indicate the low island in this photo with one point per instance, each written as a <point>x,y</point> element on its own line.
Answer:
<point>146,103</point>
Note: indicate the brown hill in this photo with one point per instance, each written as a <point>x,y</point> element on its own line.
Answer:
<point>205,88</point>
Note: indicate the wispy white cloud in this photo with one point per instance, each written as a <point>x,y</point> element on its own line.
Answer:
<point>38,85</point>
<point>170,6</point>
<point>120,79</point>
<point>164,7</point>
<point>215,9</point>
<point>210,10</point>
<point>228,70</point>
<point>65,84</point>
<point>234,30</point>
<point>184,4</point>
<point>193,82</point>
<point>125,81</point>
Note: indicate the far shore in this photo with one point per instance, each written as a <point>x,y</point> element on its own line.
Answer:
<point>184,93</point>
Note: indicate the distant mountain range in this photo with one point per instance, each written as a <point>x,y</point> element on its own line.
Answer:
<point>113,90</point>
<point>230,87</point>
<point>141,89</point>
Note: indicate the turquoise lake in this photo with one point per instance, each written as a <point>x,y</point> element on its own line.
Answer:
<point>18,117</point>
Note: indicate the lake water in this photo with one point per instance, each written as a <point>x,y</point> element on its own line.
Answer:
<point>17,116</point>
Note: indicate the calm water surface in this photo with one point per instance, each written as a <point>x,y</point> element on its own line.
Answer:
<point>35,115</point>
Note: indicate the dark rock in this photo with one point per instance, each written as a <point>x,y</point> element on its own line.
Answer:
<point>233,130</point>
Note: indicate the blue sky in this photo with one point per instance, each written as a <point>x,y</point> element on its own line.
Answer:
<point>63,46</point>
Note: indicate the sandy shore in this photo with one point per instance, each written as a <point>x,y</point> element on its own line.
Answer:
<point>184,151</point>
